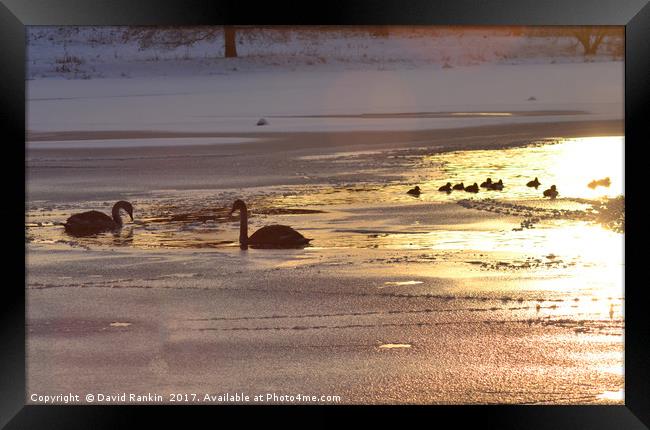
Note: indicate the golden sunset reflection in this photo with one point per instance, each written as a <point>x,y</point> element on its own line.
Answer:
<point>614,396</point>
<point>570,164</point>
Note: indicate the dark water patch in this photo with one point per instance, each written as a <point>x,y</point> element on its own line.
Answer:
<point>44,286</point>
<point>593,326</point>
<point>288,211</point>
<point>377,233</point>
<point>530,263</point>
<point>440,114</point>
<point>63,327</point>
<point>358,314</point>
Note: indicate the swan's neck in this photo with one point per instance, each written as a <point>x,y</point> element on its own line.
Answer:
<point>243,226</point>
<point>116,215</point>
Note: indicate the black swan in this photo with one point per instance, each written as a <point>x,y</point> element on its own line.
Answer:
<point>487,183</point>
<point>271,236</point>
<point>498,186</point>
<point>534,183</point>
<point>93,222</point>
<point>446,188</point>
<point>414,191</point>
<point>551,192</point>
<point>472,188</point>
<point>459,187</point>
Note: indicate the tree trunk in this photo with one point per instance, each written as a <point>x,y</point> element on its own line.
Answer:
<point>590,39</point>
<point>380,31</point>
<point>590,49</point>
<point>229,38</point>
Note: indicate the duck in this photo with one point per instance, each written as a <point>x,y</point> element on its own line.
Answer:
<point>446,188</point>
<point>459,187</point>
<point>534,183</point>
<point>487,183</point>
<point>472,188</point>
<point>94,222</point>
<point>605,182</point>
<point>497,186</point>
<point>270,236</point>
<point>414,191</point>
<point>551,192</point>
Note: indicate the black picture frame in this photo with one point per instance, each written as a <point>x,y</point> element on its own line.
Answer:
<point>16,14</point>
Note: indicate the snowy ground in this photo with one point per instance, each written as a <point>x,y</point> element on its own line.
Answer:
<point>296,101</point>
<point>107,52</point>
<point>294,78</point>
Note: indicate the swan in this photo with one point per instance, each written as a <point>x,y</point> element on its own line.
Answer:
<point>551,192</point>
<point>446,188</point>
<point>93,222</point>
<point>472,188</point>
<point>414,191</point>
<point>534,183</point>
<point>460,186</point>
<point>271,236</point>
<point>487,183</point>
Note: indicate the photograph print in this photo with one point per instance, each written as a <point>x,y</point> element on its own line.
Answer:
<point>325,215</point>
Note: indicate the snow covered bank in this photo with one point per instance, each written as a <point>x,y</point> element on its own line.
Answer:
<point>115,52</point>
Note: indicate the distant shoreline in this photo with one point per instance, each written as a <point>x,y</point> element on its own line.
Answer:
<point>491,136</point>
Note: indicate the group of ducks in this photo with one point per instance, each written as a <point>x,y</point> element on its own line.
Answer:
<point>488,184</point>
<point>272,236</point>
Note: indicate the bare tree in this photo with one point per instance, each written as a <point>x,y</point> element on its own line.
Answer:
<point>173,37</point>
<point>229,41</point>
<point>590,37</point>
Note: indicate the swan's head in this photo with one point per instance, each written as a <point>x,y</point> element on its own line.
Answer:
<point>128,207</point>
<point>417,188</point>
<point>238,205</point>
